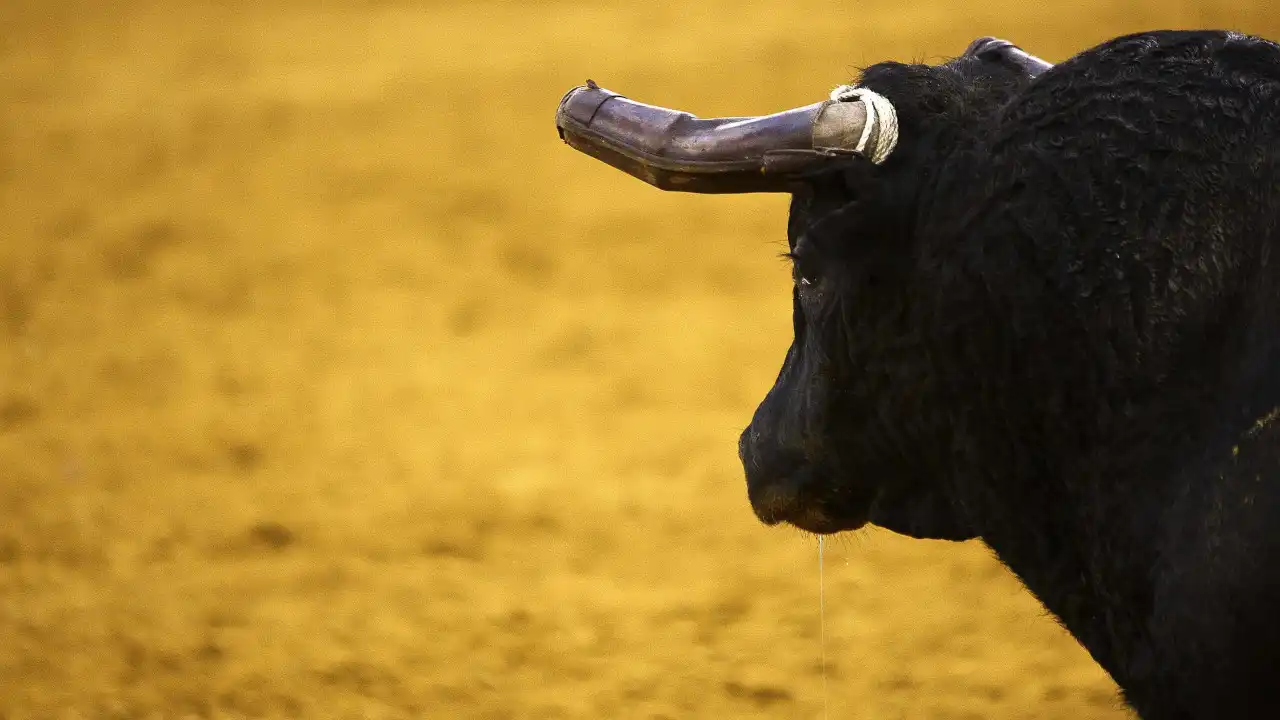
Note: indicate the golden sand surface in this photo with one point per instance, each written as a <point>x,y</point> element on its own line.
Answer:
<point>333,385</point>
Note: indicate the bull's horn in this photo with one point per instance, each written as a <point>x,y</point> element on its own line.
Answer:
<point>674,150</point>
<point>998,48</point>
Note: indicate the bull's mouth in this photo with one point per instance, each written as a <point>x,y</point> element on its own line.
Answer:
<point>794,500</point>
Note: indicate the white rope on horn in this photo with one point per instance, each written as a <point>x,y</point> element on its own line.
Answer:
<point>879,108</point>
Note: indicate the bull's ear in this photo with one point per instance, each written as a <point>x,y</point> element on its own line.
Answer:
<point>992,49</point>
<point>821,197</point>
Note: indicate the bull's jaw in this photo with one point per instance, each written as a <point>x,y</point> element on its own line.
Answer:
<point>919,513</point>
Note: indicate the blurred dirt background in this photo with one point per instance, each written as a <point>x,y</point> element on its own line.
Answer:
<point>332,385</point>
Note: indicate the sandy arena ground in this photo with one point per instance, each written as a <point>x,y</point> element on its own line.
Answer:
<point>332,385</point>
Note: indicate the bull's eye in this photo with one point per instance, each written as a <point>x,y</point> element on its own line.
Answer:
<point>802,278</point>
<point>803,272</point>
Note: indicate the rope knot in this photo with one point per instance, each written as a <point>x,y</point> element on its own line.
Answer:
<point>881,129</point>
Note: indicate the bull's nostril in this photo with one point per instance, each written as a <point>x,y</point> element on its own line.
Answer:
<point>760,458</point>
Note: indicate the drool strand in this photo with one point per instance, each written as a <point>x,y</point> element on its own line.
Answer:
<point>822,628</point>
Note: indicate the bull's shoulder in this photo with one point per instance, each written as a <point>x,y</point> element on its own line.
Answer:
<point>1177,46</point>
<point>1162,147</point>
<point>1189,92</point>
<point>1133,193</point>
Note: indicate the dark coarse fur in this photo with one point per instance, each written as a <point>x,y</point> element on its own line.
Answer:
<point>1051,320</point>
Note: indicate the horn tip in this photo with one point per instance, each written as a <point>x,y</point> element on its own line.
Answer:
<point>563,109</point>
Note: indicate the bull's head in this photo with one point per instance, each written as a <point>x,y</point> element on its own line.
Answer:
<point>830,446</point>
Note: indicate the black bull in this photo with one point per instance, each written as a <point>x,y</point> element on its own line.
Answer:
<point>1034,305</point>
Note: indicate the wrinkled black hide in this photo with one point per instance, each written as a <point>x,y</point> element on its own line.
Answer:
<point>1051,320</point>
